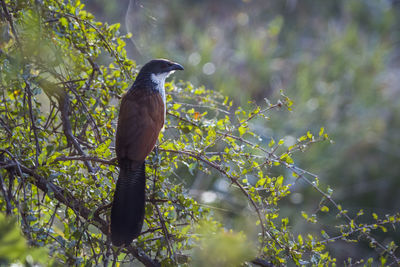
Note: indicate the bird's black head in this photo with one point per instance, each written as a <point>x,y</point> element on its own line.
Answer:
<point>159,66</point>
<point>153,74</point>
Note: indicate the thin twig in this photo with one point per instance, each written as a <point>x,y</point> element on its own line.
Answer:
<point>5,126</point>
<point>66,198</point>
<point>300,173</point>
<point>260,112</point>
<point>112,161</point>
<point>162,221</point>
<point>64,108</point>
<point>86,111</point>
<point>6,196</point>
<point>234,181</point>
<point>10,21</point>
<point>33,125</point>
<point>165,232</point>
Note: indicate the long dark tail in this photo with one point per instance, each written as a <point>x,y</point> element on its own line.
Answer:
<point>128,208</point>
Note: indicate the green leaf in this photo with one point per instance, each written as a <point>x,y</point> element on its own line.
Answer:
<point>271,143</point>
<point>279,181</point>
<point>242,130</point>
<point>64,22</point>
<point>324,209</point>
<point>321,131</point>
<point>176,106</point>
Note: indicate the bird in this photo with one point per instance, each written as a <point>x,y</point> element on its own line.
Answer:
<point>141,117</point>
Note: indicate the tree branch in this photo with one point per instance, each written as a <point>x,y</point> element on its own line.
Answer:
<point>112,161</point>
<point>10,21</point>
<point>234,181</point>
<point>63,101</point>
<point>66,198</point>
<point>33,125</point>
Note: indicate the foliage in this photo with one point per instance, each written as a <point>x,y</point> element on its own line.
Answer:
<point>337,61</point>
<point>58,171</point>
<point>13,246</point>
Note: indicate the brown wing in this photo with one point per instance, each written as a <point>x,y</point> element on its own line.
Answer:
<point>140,120</point>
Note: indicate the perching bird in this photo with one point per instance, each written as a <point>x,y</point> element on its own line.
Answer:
<point>141,118</point>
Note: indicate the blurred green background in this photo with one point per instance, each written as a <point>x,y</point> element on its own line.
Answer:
<point>338,61</point>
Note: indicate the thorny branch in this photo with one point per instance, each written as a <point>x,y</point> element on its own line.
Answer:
<point>6,196</point>
<point>33,124</point>
<point>86,111</point>
<point>271,156</point>
<point>233,180</point>
<point>10,21</point>
<point>107,45</point>
<point>112,161</point>
<point>67,199</point>
<point>16,168</point>
<point>63,100</point>
<point>162,222</point>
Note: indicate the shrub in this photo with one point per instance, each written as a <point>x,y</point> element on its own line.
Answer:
<point>58,171</point>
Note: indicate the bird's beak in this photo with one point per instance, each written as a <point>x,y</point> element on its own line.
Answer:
<point>176,66</point>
